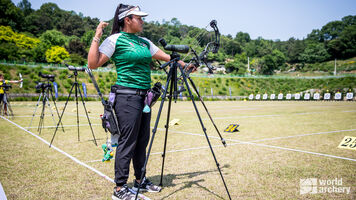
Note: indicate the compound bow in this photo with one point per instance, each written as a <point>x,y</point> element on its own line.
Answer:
<point>212,46</point>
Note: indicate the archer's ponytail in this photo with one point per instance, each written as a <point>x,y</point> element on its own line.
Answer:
<point>118,25</point>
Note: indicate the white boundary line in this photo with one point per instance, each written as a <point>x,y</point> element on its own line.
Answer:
<point>277,147</point>
<point>308,134</point>
<point>66,126</point>
<point>252,143</point>
<point>63,152</point>
<point>349,111</point>
<point>256,116</point>
<point>2,193</point>
<point>243,142</point>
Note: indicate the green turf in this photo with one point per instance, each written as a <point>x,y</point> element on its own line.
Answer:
<point>260,161</point>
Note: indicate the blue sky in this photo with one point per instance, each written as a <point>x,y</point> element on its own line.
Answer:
<point>270,19</point>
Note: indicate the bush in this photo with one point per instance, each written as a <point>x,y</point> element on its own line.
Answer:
<point>56,54</point>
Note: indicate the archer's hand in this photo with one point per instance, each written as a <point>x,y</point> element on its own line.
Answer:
<point>99,29</point>
<point>192,67</point>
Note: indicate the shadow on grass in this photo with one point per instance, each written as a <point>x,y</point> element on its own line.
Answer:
<point>168,181</point>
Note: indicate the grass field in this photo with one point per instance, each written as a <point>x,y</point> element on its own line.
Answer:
<point>278,144</point>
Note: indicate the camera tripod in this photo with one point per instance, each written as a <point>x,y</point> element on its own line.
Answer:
<point>77,90</point>
<point>46,89</point>
<point>5,108</point>
<point>173,93</point>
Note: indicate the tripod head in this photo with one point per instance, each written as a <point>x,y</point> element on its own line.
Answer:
<point>43,86</point>
<point>174,65</point>
<point>75,70</point>
<point>5,87</point>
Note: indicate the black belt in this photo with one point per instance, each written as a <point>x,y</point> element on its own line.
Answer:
<point>131,91</point>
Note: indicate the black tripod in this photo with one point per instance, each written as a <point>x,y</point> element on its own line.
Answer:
<point>173,92</point>
<point>5,108</point>
<point>46,90</point>
<point>77,89</point>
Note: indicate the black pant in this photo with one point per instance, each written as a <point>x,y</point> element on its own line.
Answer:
<point>135,133</point>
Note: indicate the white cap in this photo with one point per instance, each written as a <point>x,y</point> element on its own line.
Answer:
<point>133,11</point>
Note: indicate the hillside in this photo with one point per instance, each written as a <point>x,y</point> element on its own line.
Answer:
<point>219,84</point>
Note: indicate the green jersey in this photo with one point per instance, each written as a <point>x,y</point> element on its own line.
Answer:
<point>132,56</point>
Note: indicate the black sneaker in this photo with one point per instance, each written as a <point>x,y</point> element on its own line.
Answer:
<point>123,194</point>
<point>147,186</point>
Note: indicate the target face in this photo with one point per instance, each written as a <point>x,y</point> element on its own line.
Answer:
<point>316,96</point>
<point>327,96</point>
<point>250,97</point>
<point>273,96</point>
<point>307,96</point>
<point>349,96</point>
<point>289,96</point>
<point>297,96</point>
<point>258,96</point>
<point>280,96</point>
<point>338,96</point>
<point>265,96</point>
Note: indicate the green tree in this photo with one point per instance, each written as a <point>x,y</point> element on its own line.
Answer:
<point>48,39</point>
<point>272,62</point>
<point>332,30</point>
<point>75,46</point>
<point>17,46</point>
<point>25,7</point>
<point>231,47</point>
<point>53,38</point>
<point>10,15</point>
<point>314,52</point>
<point>242,38</point>
<point>293,49</point>
<point>71,24</point>
<point>56,54</point>
<point>345,45</point>
<point>43,19</point>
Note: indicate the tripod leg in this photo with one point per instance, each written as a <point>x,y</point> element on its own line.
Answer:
<point>1,107</point>
<point>49,107</point>
<point>206,109</point>
<point>204,129</point>
<point>40,124</point>
<point>154,130</point>
<point>76,103</point>
<point>85,109</point>
<point>33,115</point>
<point>166,135</point>
<point>8,105</point>
<point>55,105</point>
<point>60,118</point>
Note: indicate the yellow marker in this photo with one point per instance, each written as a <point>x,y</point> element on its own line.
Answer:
<point>231,128</point>
<point>348,142</point>
<point>174,122</point>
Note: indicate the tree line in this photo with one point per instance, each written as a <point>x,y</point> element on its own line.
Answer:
<point>52,35</point>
